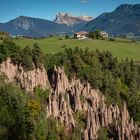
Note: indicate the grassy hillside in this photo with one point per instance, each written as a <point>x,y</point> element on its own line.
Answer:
<point>120,48</point>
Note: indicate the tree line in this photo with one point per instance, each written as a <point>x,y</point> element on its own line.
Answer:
<point>118,81</point>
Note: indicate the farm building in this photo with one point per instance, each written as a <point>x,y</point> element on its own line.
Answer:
<point>104,34</point>
<point>81,35</point>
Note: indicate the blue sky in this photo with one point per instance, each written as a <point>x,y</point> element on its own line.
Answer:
<point>47,9</point>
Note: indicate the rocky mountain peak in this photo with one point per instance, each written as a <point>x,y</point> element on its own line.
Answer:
<point>125,6</point>
<point>128,9</point>
<point>70,20</point>
<point>23,22</point>
<point>123,20</point>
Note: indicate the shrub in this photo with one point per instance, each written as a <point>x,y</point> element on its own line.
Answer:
<point>67,36</point>
<point>103,134</point>
<point>111,39</point>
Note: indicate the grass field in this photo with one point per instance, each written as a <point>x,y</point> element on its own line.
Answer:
<point>120,48</point>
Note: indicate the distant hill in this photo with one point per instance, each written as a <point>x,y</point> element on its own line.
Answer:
<point>33,27</point>
<point>125,19</point>
<point>74,22</point>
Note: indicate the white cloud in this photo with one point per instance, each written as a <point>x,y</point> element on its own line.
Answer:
<point>83,1</point>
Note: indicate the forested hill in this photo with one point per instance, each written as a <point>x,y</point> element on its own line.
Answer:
<point>124,19</point>
<point>104,85</point>
<point>33,27</point>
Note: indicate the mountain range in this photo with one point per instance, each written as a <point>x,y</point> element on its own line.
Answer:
<point>33,27</point>
<point>124,19</point>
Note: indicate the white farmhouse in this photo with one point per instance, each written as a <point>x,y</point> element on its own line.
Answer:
<point>81,35</point>
<point>104,34</point>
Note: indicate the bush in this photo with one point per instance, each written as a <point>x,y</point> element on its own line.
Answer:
<point>21,117</point>
<point>111,39</point>
<point>95,35</point>
<point>67,36</point>
<point>64,46</point>
<point>103,134</point>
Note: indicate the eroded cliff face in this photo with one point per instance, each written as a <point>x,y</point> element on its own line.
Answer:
<point>93,104</point>
<point>68,97</point>
<point>27,80</point>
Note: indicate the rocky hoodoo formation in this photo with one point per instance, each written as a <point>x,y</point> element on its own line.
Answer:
<point>65,100</point>
<point>26,79</point>
<point>69,97</point>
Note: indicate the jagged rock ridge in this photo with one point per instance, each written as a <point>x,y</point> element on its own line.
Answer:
<point>65,18</point>
<point>75,22</point>
<point>65,101</point>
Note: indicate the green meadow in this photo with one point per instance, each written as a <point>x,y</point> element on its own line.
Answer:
<point>120,48</point>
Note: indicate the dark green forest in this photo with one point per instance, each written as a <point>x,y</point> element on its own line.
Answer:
<point>23,117</point>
